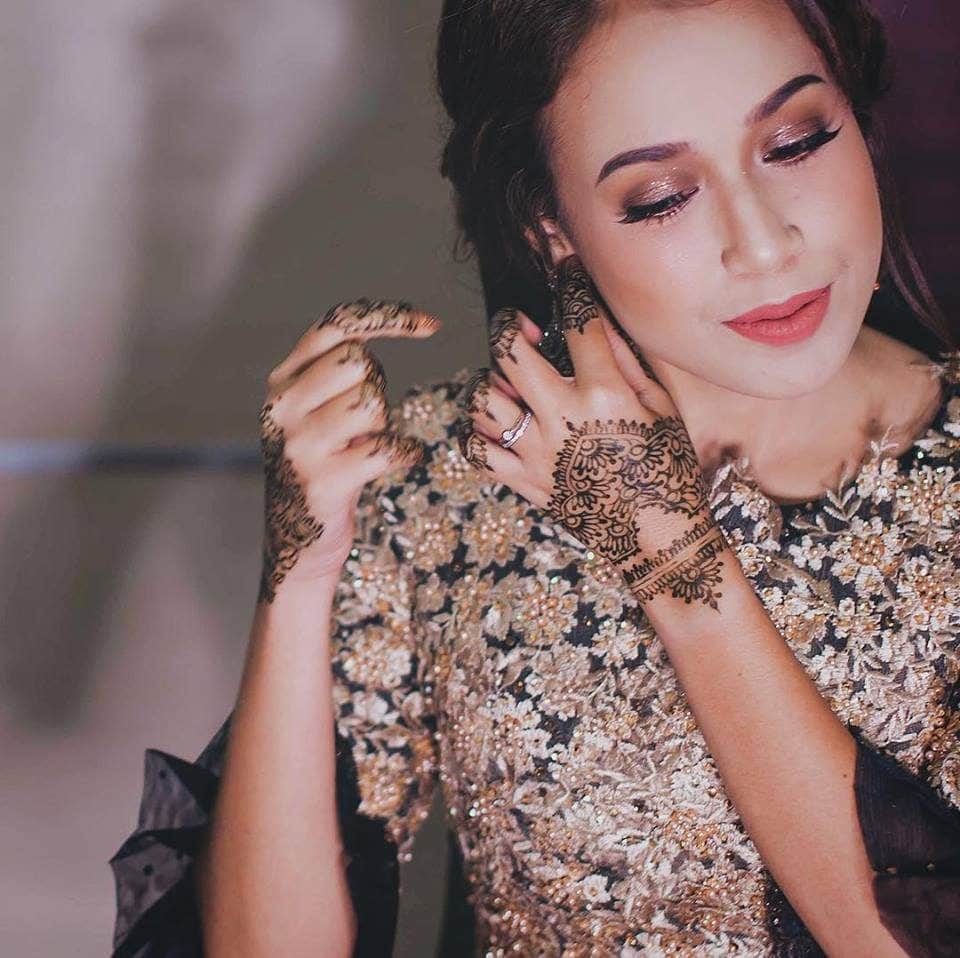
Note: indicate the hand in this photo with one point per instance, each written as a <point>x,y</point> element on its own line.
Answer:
<point>605,454</point>
<point>323,435</point>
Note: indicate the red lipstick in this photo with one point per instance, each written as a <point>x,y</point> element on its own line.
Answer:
<point>787,322</point>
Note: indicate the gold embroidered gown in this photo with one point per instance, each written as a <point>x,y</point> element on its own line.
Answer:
<point>482,650</point>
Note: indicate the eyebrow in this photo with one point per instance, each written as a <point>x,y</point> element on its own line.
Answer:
<point>666,151</point>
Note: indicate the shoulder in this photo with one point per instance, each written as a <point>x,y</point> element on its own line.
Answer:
<point>429,411</point>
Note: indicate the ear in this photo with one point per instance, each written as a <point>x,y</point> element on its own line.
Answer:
<point>559,245</point>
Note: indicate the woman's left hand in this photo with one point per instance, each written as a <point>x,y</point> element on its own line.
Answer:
<point>605,453</point>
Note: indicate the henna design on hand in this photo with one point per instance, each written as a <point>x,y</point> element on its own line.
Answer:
<point>577,294</point>
<point>365,315</point>
<point>355,351</point>
<point>472,446</point>
<point>607,473</point>
<point>371,396</point>
<point>688,568</point>
<point>399,448</point>
<point>504,330</point>
<point>290,527</point>
<point>476,394</point>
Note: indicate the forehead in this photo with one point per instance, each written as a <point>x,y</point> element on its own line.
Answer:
<point>661,72</point>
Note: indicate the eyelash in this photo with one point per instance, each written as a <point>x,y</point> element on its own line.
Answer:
<point>796,152</point>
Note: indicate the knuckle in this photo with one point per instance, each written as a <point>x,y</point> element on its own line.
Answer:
<point>366,315</point>
<point>604,397</point>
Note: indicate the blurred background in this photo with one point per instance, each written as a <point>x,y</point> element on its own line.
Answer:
<point>184,187</point>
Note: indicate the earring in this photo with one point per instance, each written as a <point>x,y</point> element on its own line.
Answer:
<point>553,344</point>
<point>876,286</point>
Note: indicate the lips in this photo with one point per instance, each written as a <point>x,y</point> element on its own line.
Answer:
<point>777,310</point>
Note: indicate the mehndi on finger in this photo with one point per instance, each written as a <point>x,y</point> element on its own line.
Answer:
<point>476,394</point>
<point>373,315</point>
<point>355,351</point>
<point>504,329</point>
<point>578,297</point>
<point>399,447</point>
<point>472,446</point>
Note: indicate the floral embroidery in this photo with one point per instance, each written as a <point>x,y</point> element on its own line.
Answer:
<point>481,647</point>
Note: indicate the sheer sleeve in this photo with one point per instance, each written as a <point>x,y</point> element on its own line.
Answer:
<point>912,837</point>
<point>384,737</point>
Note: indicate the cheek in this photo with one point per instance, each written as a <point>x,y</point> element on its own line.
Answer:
<point>645,272</point>
<point>837,206</point>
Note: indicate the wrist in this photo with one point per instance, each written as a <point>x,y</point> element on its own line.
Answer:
<point>688,566</point>
<point>301,582</point>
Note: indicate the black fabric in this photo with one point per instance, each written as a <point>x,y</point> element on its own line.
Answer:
<point>157,913</point>
<point>906,826</point>
<point>912,837</point>
<point>458,927</point>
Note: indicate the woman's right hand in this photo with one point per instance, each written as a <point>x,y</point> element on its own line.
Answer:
<point>323,435</point>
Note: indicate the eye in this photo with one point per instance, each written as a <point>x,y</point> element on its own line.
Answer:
<point>801,150</point>
<point>659,211</point>
<point>788,155</point>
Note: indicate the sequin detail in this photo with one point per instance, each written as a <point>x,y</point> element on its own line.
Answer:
<point>481,647</point>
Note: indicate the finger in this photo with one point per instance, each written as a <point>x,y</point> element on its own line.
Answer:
<point>384,452</point>
<point>651,393</point>
<point>518,361</point>
<point>330,375</point>
<point>580,316</point>
<point>491,410</point>
<point>360,319</point>
<point>488,455</point>
<point>354,414</point>
<point>503,385</point>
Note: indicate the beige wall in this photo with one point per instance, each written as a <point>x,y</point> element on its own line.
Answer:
<point>184,186</point>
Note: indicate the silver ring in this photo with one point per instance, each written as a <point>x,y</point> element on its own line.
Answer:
<point>510,436</point>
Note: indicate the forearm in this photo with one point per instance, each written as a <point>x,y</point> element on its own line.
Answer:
<point>272,879</point>
<point>786,760</point>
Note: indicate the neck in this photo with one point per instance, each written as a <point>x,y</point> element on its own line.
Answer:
<point>772,433</point>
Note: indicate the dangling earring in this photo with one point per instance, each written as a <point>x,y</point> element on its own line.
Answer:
<point>553,344</point>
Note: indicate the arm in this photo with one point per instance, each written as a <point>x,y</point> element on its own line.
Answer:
<point>913,841</point>
<point>610,460</point>
<point>160,866</point>
<point>275,819</point>
<point>295,856</point>
<point>786,760</point>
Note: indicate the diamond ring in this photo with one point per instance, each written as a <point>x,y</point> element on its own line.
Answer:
<point>510,436</point>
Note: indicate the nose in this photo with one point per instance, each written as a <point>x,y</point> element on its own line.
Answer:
<point>760,239</point>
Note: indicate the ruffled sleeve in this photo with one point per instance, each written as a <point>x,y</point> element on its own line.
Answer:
<point>386,762</point>
<point>912,837</point>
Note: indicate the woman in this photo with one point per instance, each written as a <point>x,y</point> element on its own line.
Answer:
<point>666,601</point>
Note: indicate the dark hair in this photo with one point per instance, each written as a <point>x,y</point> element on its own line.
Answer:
<point>500,63</point>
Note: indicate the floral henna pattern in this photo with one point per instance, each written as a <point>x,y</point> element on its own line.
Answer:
<point>607,472</point>
<point>504,330</point>
<point>578,297</point>
<point>476,394</point>
<point>289,526</point>
<point>366,315</point>
<point>684,574</point>
<point>472,446</point>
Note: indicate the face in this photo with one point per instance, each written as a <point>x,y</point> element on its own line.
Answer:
<point>745,206</point>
